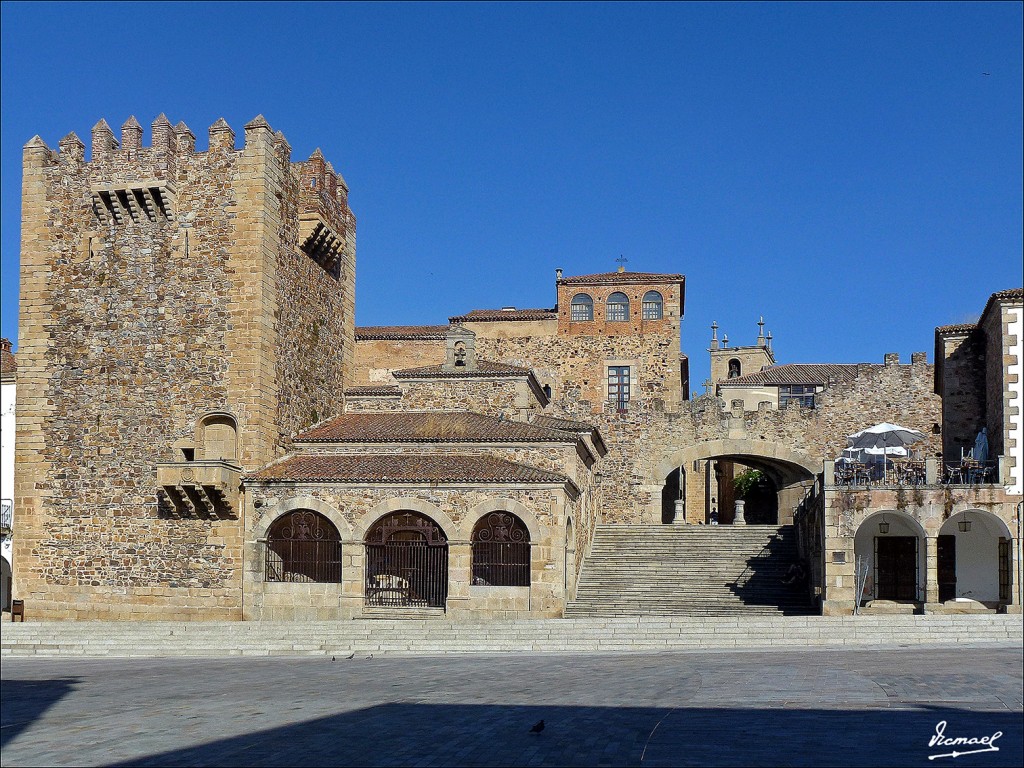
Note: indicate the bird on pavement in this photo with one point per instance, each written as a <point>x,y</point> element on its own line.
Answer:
<point>538,727</point>
<point>351,655</point>
<point>333,659</point>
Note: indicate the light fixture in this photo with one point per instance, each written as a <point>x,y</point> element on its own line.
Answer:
<point>964,525</point>
<point>883,527</point>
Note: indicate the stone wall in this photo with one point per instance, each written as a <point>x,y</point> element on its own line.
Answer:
<point>961,385</point>
<point>354,508</point>
<point>151,283</point>
<point>375,359</point>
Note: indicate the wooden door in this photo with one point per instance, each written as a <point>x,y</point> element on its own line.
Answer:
<point>947,567</point>
<point>896,568</point>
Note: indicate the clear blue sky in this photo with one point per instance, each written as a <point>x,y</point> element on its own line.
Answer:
<point>848,171</point>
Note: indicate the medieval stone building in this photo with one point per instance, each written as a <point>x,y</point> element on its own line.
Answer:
<point>203,432</point>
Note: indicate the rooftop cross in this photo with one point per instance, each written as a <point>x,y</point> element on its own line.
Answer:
<point>622,262</point>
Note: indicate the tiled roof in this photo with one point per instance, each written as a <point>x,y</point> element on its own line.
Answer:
<point>622,277</point>
<point>956,328</point>
<point>404,469</point>
<point>8,363</point>
<point>484,368</point>
<point>795,373</point>
<point>1009,293</point>
<point>428,427</point>
<point>500,315</point>
<point>401,332</point>
<point>374,390</point>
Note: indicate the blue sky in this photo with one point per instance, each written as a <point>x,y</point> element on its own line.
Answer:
<point>848,171</point>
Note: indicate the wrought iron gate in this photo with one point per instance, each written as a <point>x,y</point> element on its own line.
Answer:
<point>406,562</point>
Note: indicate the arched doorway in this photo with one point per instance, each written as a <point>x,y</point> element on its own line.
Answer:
<point>709,477</point>
<point>303,545</point>
<point>406,562</point>
<point>889,558</point>
<point>974,558</point>
<point>501,551</point>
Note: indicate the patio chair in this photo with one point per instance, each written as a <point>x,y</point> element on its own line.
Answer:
<point>954,474</point>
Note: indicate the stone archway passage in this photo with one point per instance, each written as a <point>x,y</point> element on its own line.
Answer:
<point>406,562</point>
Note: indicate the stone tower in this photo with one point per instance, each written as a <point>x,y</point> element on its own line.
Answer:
<point>731,362</point>
<point>182,314</point>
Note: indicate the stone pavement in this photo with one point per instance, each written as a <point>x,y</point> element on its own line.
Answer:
<point>777,707</point>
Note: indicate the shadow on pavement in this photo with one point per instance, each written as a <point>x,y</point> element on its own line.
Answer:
<point>402,734</point>
<point>22,702</point>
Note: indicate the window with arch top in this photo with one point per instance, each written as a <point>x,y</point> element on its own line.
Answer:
<point>582,308</point>
<point>618,308</point>
<point>653,308</point>
<point>501,551</point>
<point>303,546</point>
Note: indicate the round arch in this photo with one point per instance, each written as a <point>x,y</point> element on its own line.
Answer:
<point>972,563</point>
<point>737,449</point>
<point>897,570</point>
<point>500,504</point>
<point>406,504</point>
<point>993,522</point>
<point>302,502</point>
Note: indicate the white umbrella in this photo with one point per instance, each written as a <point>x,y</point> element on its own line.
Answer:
<point>885,435</point>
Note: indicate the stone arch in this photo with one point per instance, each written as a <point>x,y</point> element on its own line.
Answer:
<point>900,524</point>
<point>736,448</point>
<point>974,555</point>
<point>216,436</point>
<point>500,504</point>
<point>410,504</point>
<point>302,502</point>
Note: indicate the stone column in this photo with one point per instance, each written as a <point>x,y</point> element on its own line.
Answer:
<point>739,519</point>
<point>680,514</point>
<point>460,561</point>
<point>931,573</point>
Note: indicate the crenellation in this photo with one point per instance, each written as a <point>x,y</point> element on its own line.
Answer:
<point>185,140</point>
<point>72,150</point>
<point>221,136</point>
<point>103,141</point>
<point>131,135</point>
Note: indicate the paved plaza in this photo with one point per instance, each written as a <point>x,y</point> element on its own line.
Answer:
<point>809,707</point>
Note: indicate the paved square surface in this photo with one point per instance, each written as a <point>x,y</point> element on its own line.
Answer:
<point>814,707</point>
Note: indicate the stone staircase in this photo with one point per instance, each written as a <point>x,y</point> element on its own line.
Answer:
<point>431,636</point>
<point>693,570</point>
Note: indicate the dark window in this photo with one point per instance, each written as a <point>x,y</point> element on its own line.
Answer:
<point>618,308</point>
<point>653,306</point>
<point>618,386</point>
<point>801,393</point>
<point>501,551</point>
<point>303,546</point>
<point>582,308</point>
<point>735,371</point>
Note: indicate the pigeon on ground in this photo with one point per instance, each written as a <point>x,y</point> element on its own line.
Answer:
<point>370,656</point>
<point>333,659</point>
<point>351,655</point>
<point>538,727</point>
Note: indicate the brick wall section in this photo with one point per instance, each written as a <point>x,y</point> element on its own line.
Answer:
<point>131,331</point>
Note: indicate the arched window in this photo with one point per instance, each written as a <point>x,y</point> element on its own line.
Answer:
<point>582,308</point>
<point>501,551</point>
<point>406,562</point>
<point>303,546</point>
<point>653,306</point>
<point>219,437</point>
<point>618,308</point>
<point>734,369</point>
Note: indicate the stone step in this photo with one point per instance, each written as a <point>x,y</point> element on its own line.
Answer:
<point>578,635</point>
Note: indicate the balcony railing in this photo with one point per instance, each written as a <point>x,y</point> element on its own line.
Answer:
<point>6,516</point>
<point>907,472</point>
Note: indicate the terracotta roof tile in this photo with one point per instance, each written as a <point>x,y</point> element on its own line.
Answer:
<point>403,469</point>
<point>8,363</point>
<point>484,368</point>
<point>401,332</point>
<point>500,315</point>
<point>622,277</point>
<point>956,328</point>
<point>374,390</point>
<point>429,427</point>
<point>795,373</point>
